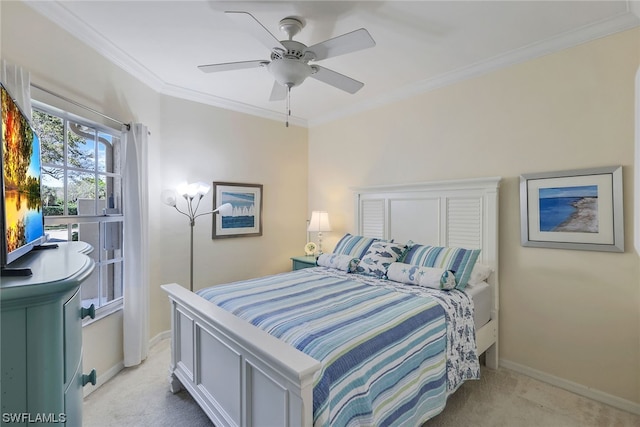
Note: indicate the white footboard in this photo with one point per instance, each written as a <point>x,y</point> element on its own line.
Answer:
<point>239,374</point>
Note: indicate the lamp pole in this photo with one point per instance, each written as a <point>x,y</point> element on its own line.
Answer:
<point>192,223</point>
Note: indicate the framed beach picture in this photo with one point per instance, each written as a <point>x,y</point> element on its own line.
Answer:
<point>246,217</point>
<point>577,209</point>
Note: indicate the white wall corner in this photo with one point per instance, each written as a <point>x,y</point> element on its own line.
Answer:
<point>634,7</point>
<point>636,183</point>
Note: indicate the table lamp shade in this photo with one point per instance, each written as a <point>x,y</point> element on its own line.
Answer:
<point>319,221</point>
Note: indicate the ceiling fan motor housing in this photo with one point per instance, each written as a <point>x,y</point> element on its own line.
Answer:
<point>289,72</point>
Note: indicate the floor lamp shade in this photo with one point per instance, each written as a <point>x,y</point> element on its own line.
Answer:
<point>192,193</point>
<point>319,222</point>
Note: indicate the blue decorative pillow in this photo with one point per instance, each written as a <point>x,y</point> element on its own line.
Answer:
<point>341,262</point>
<point>428,277</point>
<point>378,258</point>
<point>457,260</point>
<point>356,246</point>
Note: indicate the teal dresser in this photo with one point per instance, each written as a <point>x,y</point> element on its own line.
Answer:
<point>41,334</point>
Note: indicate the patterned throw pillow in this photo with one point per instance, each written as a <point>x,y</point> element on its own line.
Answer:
<point>355,246</point>
<point>341,262</point>
<point>379,257</point>
<point>428,277</point>
<point>457,260</point>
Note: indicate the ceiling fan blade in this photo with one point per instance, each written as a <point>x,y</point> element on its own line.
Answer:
<point>278,93</point>
<point>336,79</point>
<point>228,66</point>
<point>346,43</point>
<point>251,25</point>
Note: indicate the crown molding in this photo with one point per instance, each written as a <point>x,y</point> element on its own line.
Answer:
<point>227,104</point>
<point>70,22</point>
<point>61,16</point>
<point>567,40</point>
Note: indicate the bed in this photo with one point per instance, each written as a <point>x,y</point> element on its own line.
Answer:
<point>246,369</point>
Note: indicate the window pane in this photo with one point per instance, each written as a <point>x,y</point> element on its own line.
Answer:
<point>53,191</point>
<point>50,130</point>
<point>81,186</point>
<point>90,233</point>
<point>81,146</point>
<point>111,276</point>
<point>106,155</point>
<point>112,242</point>
<point>102,193</point>
<point>90,289</point>
<point>62,232</point>
<point>114,192</point>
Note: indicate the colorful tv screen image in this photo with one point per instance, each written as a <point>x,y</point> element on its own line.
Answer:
<point>23,213</point>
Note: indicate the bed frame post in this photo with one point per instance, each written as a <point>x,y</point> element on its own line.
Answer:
<point>174,383</point>
<point>237,373</point>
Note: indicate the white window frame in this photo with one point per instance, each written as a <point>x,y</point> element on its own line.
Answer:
<point>101,219</point>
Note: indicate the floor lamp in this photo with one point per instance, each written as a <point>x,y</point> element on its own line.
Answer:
<point>193,194</point>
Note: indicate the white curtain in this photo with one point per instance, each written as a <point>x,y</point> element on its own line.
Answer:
<point>17,81</point>
<point>136,245</point>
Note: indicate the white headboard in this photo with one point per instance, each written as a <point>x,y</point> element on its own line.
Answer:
<point>461,213</point>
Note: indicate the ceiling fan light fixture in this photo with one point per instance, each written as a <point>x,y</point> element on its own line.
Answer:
<point>289,72</point>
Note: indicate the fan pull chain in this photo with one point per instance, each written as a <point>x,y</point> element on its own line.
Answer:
<point>288,104</point>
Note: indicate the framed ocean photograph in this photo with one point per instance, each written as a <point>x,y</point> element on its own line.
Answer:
<point>246,217</point>
<point>576,209</point>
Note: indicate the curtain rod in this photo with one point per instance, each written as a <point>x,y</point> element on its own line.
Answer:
<point>81,106</point>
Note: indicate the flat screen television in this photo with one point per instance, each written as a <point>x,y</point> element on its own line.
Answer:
<point>22,215</point>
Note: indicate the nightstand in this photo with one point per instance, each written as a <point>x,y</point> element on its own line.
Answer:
<point>300,262</point>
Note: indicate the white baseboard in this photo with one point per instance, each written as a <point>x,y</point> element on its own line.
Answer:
<point>88,389</point>
<point>113,371</point>
<point>161,336</point>
<point>582,390</point>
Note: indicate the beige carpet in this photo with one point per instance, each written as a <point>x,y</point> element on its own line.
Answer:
<point>140,397</point>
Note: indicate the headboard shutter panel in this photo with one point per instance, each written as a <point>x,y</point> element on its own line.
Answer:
<point>464,216</point>
<point>372,220</point>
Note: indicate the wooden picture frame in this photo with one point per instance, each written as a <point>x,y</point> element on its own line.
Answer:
<point>246,200</point>
<point>574,209</point>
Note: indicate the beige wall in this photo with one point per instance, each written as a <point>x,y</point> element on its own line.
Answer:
<point>202,143</point>
<point>189,141</point>
<point>569,314</point>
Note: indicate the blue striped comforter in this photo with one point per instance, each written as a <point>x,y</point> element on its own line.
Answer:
<point>383,349</point>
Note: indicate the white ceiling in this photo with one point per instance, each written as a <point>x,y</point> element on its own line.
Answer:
<point>420,45</point>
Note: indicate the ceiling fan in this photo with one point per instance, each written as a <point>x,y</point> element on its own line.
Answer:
<point>290,60</point>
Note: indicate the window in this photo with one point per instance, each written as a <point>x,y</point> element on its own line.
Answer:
<point>82,196</point>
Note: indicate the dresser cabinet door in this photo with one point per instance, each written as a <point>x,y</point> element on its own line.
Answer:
<point>72,337</point>
<point>73,361</point>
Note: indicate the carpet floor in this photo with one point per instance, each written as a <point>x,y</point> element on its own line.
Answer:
<point>140,396</point>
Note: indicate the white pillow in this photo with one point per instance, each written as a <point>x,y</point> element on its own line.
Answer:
<point>338,261</point>
<point>428,277</point>
<point>480,273</point>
